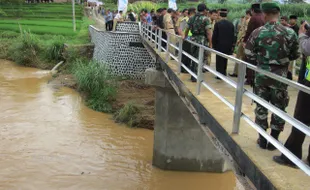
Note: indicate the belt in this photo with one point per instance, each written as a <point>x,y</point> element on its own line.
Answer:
<point>170,28</point>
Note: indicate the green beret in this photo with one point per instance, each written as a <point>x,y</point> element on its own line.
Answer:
<point>270,6</point>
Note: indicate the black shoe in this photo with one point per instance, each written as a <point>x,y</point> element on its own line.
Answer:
<point>233,75</point>
<point>282,161</point>
<point>271,147</point>
<point>262,142</point>
<point>218,78</point>
<point>193,79</point>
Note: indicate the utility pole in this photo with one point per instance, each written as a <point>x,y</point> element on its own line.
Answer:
<point>73,15</point>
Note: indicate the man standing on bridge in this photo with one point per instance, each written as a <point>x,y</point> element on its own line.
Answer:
<point>302,108</point>
<point>223,40</point>
<point>272,47</point>
<point>200,27</point>
<point>257,20</point>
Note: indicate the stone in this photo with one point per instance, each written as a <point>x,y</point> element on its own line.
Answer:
<point>114,50</point>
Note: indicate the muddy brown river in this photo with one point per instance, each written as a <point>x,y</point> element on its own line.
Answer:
<point>49,140</point>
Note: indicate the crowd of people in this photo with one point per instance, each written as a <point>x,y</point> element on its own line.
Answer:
<point>261,37</point>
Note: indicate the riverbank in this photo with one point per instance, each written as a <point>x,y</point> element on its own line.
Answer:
<point>129,93</point>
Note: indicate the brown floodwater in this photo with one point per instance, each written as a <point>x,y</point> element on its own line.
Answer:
<point>50,140</point>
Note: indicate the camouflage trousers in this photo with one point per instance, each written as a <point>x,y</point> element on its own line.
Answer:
<point>277,97</point>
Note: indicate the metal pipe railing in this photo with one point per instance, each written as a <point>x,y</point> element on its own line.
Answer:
<point>239,86</point>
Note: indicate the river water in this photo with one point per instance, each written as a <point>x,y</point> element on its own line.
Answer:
<point>50,140</point>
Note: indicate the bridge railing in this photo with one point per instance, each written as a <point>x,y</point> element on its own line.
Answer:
<point>155,37</point>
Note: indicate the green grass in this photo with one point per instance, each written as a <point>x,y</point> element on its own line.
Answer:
<point>37,22</point>
<point>55,19</point>
<point>39,29</point>
<point>95,81</point>
<point>127,114</point>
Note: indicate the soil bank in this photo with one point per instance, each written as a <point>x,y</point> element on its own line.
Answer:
<point>134,91</point>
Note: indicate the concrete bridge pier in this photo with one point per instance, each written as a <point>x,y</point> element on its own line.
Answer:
<point>179,141</point>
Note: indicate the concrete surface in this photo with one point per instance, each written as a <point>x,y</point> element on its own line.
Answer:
<point>179,142</point>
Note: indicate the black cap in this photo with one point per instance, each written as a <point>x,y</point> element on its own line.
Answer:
<point>224,10</point>
<point>284,18</point>
<point>293,17</point>
<point>201,7</point>
<point>255,6</point>
<point>170,10</point>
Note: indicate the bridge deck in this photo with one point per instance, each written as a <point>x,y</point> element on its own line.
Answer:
<point>281,177</point>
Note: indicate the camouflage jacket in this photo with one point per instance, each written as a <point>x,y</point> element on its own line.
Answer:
<point>198,25</point>
<point>271,47</point>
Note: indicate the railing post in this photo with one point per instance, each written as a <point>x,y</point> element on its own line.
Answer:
<point>199,69</point>
<point>149,28</point>
<point>294,69</point>
<point>238,99</point>
<point>160,40</point>
<point>167,47</point>
<point>180,55</point>
<point>156,38</point>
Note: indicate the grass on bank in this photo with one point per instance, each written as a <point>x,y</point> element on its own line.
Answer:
<point>127,114</point>
<point>95,81</point>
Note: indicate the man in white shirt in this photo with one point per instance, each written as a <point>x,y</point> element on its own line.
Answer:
<point>119,16</point>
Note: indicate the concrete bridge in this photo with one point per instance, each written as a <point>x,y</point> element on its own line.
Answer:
<point>208,125</point>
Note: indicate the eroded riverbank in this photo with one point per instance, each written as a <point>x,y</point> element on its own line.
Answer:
<point>50,140</point>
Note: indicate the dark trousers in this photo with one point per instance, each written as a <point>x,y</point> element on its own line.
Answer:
<point>221,65</point>
<point>109,25</point>
<point>289,75</point>
<point>186,46</point>
<point>296,138</point>
<point>164,36</point>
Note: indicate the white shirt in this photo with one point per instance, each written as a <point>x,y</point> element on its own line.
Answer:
<point>118,16</point>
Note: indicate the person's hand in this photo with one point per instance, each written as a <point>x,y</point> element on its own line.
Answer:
<point>302,29</point>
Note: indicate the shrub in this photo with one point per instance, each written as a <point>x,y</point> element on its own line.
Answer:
<point>5,43</point>
<point>127,114</point>
<point>55,49</point>
<point>25,51</point>
<point>95,81</point>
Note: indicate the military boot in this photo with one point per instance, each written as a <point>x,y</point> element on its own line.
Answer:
<point>275,134</point>
<point>262,142</point>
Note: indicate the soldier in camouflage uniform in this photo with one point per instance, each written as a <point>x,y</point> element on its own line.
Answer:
<point>271,47</point>
<point>200,27</point>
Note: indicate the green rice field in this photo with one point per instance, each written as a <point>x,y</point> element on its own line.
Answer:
<point>41,18</point>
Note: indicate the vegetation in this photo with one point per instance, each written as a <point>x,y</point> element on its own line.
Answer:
<point>26,50</point>
<point>127,114</point>
<point>40,18</point>
<point>95,81</point>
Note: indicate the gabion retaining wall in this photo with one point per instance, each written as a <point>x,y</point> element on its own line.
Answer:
<point>127,27</point>
<point>124,53</point>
